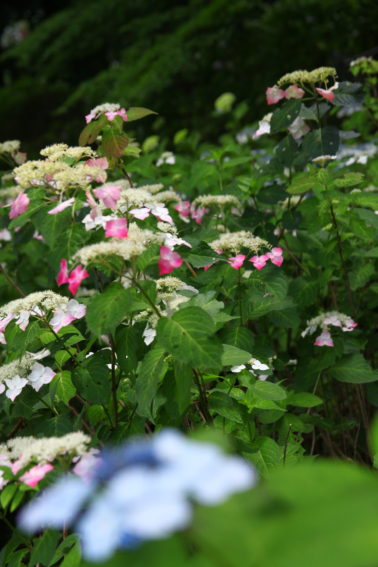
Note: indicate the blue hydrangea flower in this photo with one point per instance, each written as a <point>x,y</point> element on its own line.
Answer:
<point>139,491</point>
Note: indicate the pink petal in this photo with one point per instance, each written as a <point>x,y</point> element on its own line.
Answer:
<point>109,194</point>
<point>274,95</point>
<point>76,277</point>
<point>275,256</point>
<point>62,277</point>
<point>324,339</point>
<point>141,213</point>
<point>236,261</point>
<point>35,474</point>
<point>294,92</point>
<point>19,205</point>
<point>328,94</point>
<point>116,228</point>
<point>112,114</point>
<point>61,206</point>
<point>101,162</point>
<point>197,214</point>
<point>259,261</point>
<point>183,208</point>
<point>168,260</point>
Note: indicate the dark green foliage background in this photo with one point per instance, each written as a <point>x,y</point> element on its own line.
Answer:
<point>175,57</point>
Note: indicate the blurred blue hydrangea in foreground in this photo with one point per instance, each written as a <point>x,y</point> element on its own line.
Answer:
<point>141,490</point>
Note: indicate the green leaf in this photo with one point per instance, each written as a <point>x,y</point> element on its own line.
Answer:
<point>184,381</point>
<point>285,115</point>
<point>320,142</point>
<point>268,456</point>
<point>301,183</point>
<point>349,179</point>
<point>185,336</point>
<point>65,390</point>
<point>91,131</point>
<point>52,226</point>
<point>150,376</point>
<point>353,368</point>
<point>107,309</point>
<point>361,275</point>
<point>238,336</point>
<point>113,143</point>
<point>44,549</point>
<point>227,407</point>
<point>303,400</point>
<point>138,112</point>
<point>233,355</point>
<point>7,494</point>
<point>268,391</point>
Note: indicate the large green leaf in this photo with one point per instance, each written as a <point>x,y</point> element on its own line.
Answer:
<point>285,115</point>
<point>138,112</point>
<point>353,368</point>
<point>107,309</point>
<point>186,336</point>
<point>301,183</point>
<point>233,355</point>
<point>150,376</point>
<point>65,390</point>
<point>113,143</point>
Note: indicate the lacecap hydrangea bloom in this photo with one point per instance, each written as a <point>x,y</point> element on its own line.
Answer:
<point>326,320</point>
<point>139,491</point>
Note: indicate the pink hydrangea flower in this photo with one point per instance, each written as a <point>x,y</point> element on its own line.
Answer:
<point>35,474</point>
<point>76,277</point>
<point>324,339</point>
<point>109,194</point>
<point>236,261</point>
<point>141,213</point>
<point>101,162</point>
<point>259,261</point>
<point>274,95</point>
<point>169,260</point>
<point>197,214</point>
<point>328,94</point>
<point>63,317</point>
<point>19,205</point>
<point>40,375</point>
<point>23,319</point>
<point>116,228</point>
<point>275,256</point>
<point>59,208</point>
<point>62,277</point>
<point>183,208</point>
<point>111,114</point>
<point>294,92</point>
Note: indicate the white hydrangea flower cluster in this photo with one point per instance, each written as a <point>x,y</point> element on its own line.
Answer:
<point>56,173</point>
<point>40,304</point>
<point>235,241</point>
<point>218,201</point>
<point>135,244</point>
<point>10,146</point>
<point>24,371</point>
<point>324,322</point>
<point>321,74</point>
<point>257,368</point>
<point>24,450</point>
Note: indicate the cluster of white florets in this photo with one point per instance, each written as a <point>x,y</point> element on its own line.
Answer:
<point>44,449</point>
<point>321,74</point>
<point>236,241</point>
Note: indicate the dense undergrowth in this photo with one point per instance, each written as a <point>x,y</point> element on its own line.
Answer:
<point>228,291</point>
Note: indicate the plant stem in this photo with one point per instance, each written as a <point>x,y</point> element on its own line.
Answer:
<point>203,398</point>
<point>11,281</point>
<point>342,259</point>
<point>137,285</point>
